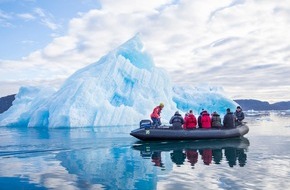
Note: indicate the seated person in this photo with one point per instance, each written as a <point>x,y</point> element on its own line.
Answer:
<point>176,121</point>
<point>199,119</point>
<point>205,120</point>
<point>190,121</point>
<point>239,114</point>
<point>229,119</point>
<point>216,121</point>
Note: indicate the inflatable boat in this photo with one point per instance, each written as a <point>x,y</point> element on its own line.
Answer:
<point>146,132</point>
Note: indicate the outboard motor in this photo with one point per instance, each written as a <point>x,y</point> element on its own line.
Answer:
<point>146,123</point>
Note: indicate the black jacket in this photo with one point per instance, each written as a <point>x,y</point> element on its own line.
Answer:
<point>229,120</point>
<point>176,121</point>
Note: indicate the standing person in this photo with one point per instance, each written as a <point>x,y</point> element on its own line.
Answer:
<point>155,115</point>
<point>239,114</point>
<point>190,121</point>
<point>176,121</point>
<point>205,120</point>
<point>229,119</point>
<point>216,121</point>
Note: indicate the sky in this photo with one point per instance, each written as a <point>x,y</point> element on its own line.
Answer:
<point>240,45</point>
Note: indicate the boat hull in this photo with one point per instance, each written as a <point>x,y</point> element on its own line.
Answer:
<point>166,133</point>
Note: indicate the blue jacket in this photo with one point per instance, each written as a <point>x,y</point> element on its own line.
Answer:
<point>240,115</point>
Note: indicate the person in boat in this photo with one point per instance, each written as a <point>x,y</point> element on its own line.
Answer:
<point>240,116</point>
<point>229,119</point>
<point>185,117</point>
<point>205,120</point>
<point>216,121</point>
<point>176,121</point>
<point>155,115</point>
<point>199,119</point>
<point>189,121</point>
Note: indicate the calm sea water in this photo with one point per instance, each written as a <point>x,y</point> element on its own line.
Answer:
<point>109,158</point>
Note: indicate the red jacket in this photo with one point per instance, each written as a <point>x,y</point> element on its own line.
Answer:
<point>156,112</point>
<point>189,121</point>
<point>205,120</point>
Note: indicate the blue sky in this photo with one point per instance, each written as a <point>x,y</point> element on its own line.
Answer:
<point>28,25</point>
<point>240,45</point>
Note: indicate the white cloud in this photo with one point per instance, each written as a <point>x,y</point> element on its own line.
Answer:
<point>40,12</point>
<point>26,16</point>
<point>28,42</point>
<point>46,18</point>
<point>240,45</point>
<point>5,20</point>
<point>4,15</point>
<point>128,6</point>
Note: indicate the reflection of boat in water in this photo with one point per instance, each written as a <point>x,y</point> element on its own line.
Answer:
<point>254,113</point>
<point>210,151</point>
<point>166,133</point>
<point>201,144</point>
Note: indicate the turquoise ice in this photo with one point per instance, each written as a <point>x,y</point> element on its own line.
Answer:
<point>120,89</point>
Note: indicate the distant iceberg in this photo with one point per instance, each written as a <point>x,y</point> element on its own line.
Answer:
<point>120,89</point>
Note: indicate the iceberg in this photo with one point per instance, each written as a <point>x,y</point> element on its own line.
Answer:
<point>121,88</point>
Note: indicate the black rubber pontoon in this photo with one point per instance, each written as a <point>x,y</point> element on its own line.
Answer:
<point>146,133</point>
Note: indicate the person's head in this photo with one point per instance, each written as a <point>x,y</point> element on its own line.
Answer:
<point>190,111</point>
<point>228,110</point>
<point>161,105</point>
<point>239,108</point>
<point>176,113</point>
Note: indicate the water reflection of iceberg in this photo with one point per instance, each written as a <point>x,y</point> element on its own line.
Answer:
<point>108,168</point>
<point>213,151</point>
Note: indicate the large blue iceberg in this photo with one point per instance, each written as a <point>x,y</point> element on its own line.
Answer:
<point>120,89</point>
